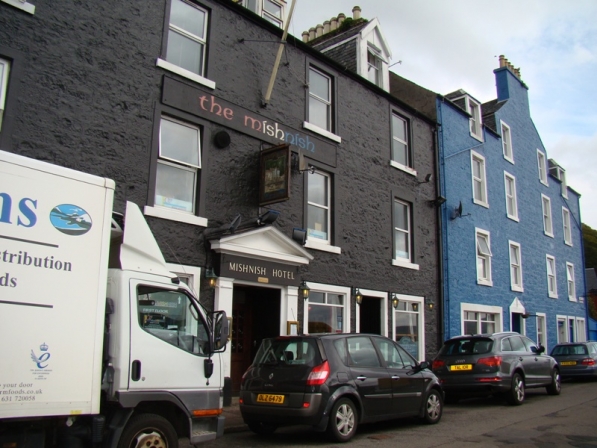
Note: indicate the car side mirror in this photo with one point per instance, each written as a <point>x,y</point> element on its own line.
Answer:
<point>539,350</point>
<point>421,366</point>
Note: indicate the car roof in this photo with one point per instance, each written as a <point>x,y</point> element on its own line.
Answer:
<point>484,335</point>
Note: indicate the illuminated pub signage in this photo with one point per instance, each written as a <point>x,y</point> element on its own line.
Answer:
<point>258,270</point>
<point>205,105</point>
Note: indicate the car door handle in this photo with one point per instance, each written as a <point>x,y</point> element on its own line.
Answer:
<point>361,378</point>
<point>520,359</point>
<point>395,377</point>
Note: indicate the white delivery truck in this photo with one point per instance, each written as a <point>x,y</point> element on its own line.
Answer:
<point>100,344</point>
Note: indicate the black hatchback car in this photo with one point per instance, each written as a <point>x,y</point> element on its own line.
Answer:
<point>499,363</point>
<point>334,382</point>
<point>576,359</point>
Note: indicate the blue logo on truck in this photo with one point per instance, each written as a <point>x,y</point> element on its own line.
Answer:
<point>70,219</point>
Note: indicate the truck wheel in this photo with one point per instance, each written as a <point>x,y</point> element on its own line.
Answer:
<point>555,387</point>
<point>515,395</point>
<point>343,421</point>
<point>148,431</point>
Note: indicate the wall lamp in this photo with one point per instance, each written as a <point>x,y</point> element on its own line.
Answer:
<point>438,201</point>
<point>301,165</point>
<point>211,277</point>
<point>415,306</point>
<point>429,304</point>
<point>268,217</point>
<point>357,295</point>
<point>428,179</point>
<point>395,300</point>
<point>527,315</point>
<point>304,290</point>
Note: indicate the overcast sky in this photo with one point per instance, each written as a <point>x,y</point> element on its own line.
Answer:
<point>445,45</point>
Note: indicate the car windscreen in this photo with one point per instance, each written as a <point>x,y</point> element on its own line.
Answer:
<point>288,352</point>
<point>467,346</point>
<point>561,350</point>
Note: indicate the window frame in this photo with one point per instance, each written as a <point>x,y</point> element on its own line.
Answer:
<point>473,108</point>
<point>507,149</point>
<point>541,327</point>
<point>547,216</point>
<point>511,198</point>
<point>550,261</point>
<point>409,167</point>
<point>329,289</point>
<point>404,262</point>
<point>482,181</point>
<point>497,311</point>
<point>542,167</point>
<point>162,61</point>
<point>151,209</point>
<point>313,242</point>
<point>419,311</point>
<point>22,5</point>
<point>567,226</point>
<point>4,77</point>
<point>330,104</point>
<point>486,257</point>
<point>516,281</point>
<point>571,282</point>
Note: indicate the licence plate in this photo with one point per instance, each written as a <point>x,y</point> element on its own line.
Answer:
<point>461,367</point>
<point>268,398</point>
<point>568,363</point>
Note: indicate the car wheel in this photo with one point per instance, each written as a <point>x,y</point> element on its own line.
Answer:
<point>516,394</point>
<point>555,387</point>
<point>261,428</point>
<point>343,421</point>
<point>433,407</point>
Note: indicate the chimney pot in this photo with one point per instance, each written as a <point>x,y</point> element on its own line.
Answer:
<point>305,36</point>
<point>319,30</point>
<point>356,12</point>
<point>326,27</point>
<point>311,33</point>
<point>333,23</point>
<point>341,18</point>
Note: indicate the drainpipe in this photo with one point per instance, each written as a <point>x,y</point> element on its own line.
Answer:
<point>272,79</point>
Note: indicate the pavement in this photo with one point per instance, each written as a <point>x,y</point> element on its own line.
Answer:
<point>234,421</point>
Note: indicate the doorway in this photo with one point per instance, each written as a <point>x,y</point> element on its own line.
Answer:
<point>255,316</point>
<point>370,315</point>
<point>517,323</point>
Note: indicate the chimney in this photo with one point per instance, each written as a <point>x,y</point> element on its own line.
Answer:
<point>305,36</point>
<point>311,33</point>
<point>505,63</point>
<point>319,30</point>
<point>356,13</point>
<point>334,23</point>
<point>341,18</point>
<point>326,27</point>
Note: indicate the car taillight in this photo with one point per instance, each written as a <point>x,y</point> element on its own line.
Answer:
<point>492,361</point>
<point>588,362</point>
<point>319,374</point>
<point>437,364</point>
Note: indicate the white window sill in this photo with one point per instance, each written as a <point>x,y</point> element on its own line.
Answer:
<point>405,264</point>
<point>544,182</point>
<point>404,168</point>
<point>548,234</point>
<point>572,299</point>
<point>509,159</point>
<point>517,288</point>
<point>323,247</point>
<point>185,73</point>
<point>23,6</point>
<point>553,296</point>
<point>173,215</point>
<point>482,204</point>
<point>322,131</point>
<point>477,137</point>
<point>513,218</point>
<point>483,282</point>
<point>568,243</point>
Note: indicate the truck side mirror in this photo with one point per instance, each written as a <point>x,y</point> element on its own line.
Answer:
<point>208,367</point>
<point>221,331</point>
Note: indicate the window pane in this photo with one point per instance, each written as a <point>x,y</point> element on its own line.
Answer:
<point>185,53</point>
<point>400,215</point>
<point>179,142</point>
<point>318,114</point>
<point>335,299</point>
<point>325,319</point>
<point>316,297</point>
<point>398,128</point>
<point>175,187</point>
<point>401,242</point>
<point>319,85</point>
<point>407,332</point>
<point>318,192</point>
<point>272,8</point>
<point>190,19</point>
<point>317,222</point>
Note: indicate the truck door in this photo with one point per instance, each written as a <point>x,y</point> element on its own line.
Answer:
<point>169,341</point>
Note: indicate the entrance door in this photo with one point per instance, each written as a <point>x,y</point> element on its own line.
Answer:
<point>370,315</point>
<point>255,316</point>
<point>517,324</point>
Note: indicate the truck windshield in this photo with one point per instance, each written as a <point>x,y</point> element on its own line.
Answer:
<point>169,315</point>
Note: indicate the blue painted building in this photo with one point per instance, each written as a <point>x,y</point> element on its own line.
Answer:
<point>512,243</point>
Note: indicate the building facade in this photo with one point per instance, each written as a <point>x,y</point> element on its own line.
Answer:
<point>322,187</point>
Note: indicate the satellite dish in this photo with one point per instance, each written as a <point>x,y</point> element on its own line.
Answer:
<point>459,209</point>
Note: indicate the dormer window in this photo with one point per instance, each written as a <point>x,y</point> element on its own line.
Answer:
<point>559,173</point>
<point>374,66</point>
<point>270,10</point>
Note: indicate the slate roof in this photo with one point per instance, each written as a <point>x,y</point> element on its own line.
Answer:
<point>591,277</point>
<point>339,35</point>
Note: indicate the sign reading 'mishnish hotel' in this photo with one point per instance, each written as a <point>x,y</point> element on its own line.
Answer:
<point>258,270</point>
<point>205,105</point>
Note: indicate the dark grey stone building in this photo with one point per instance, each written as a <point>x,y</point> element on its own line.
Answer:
<point>325,184</point>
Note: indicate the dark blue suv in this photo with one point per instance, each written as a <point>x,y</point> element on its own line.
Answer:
<point>334,382</point>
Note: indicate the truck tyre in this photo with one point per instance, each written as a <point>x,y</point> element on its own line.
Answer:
<point>515,395</point>
<point>343,421</point>
<point>555,387</point>
<point>148,431</point>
